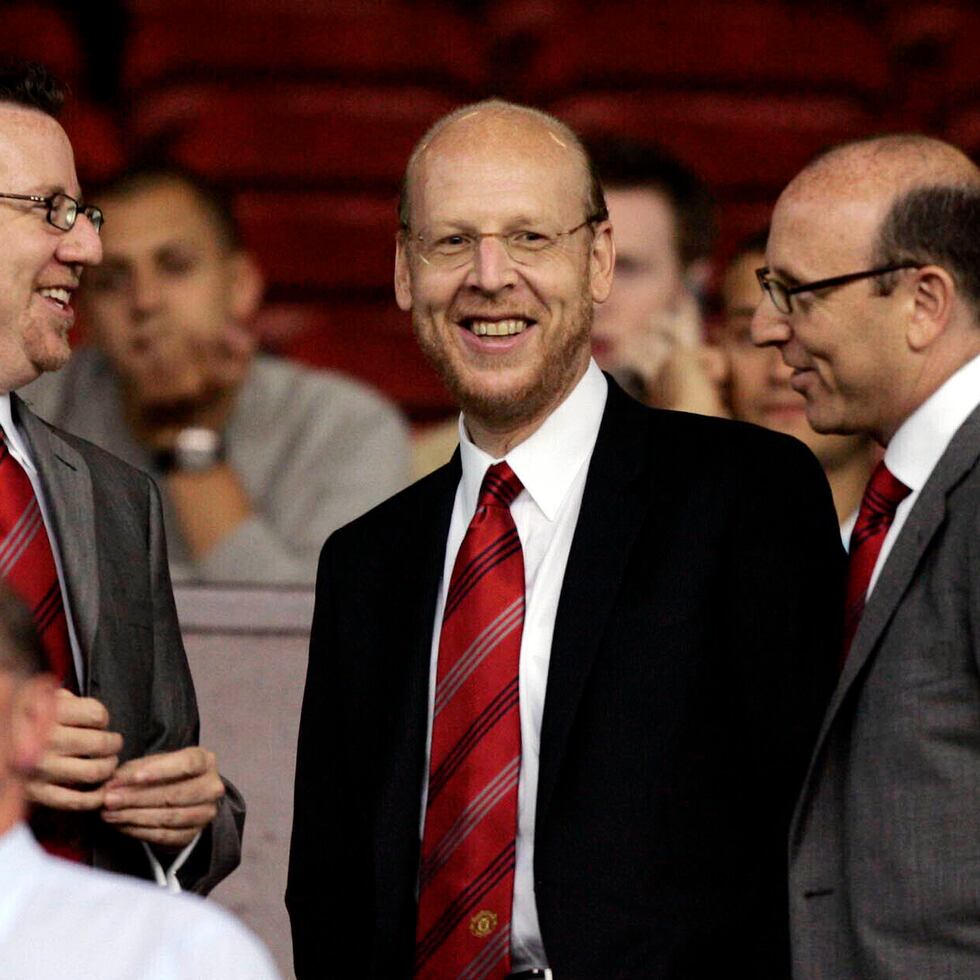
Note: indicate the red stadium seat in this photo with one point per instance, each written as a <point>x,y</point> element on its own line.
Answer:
<point>741,145</point>
<point>316,240</point>
<point>209,39</point>
<point>371,341</point>
<point>752,45</point>
<point>96,140</point>
<point>40,32</point>
<point>311,135</point>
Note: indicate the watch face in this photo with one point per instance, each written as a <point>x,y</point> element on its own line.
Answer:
<point>198,449</point>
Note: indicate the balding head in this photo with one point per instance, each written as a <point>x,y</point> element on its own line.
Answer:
<point>497,122</point>
<point>869,348</point>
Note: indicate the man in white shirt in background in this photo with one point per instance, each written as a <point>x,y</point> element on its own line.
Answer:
<point>874,302</point>
<point>58,919</point>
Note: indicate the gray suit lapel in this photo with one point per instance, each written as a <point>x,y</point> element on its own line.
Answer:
<point>896,575</point>
<point>68,495</point>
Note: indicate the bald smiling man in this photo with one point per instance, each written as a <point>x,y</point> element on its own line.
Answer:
<point>561,692</point>
<point>874,281</point>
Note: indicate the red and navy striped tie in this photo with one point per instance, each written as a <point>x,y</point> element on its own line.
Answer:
<point>466,879</point>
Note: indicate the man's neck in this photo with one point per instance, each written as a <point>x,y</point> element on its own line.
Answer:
<point>848,480</point>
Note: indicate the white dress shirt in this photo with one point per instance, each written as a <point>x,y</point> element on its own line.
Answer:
<point>59,920</point>
<point>19,449</point>
<point>552,464</point>
<point>923,437</point>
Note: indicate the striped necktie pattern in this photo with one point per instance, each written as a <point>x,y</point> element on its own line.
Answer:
<point>466,878</point>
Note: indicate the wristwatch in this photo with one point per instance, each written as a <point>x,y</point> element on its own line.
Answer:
<point>195,450</point>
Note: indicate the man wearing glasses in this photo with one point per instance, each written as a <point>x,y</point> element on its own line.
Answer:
<point>873,282</point>
<point>562,691</point>
<point>122,784</point>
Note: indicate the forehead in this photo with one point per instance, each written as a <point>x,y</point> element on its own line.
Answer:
<point>642,218</point>
<point>825,228</point>
<point>148,217</point>
<point>490,172</point>
<point>35,155</point>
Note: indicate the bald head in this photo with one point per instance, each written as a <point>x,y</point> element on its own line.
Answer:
<point>919,196</point>
<point>495,122</point>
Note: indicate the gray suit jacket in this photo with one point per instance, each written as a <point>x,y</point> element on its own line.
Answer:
<point>109,527</point>
<point>885,843</point>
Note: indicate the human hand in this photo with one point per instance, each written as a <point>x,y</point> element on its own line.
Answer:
<point>80,756</point>
<point>690,374</point>
<point>164,799</point>
<point>175,381</point>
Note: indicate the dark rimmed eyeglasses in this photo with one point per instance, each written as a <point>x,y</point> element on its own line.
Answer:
<point>781,294</point>
<point>62,210</point>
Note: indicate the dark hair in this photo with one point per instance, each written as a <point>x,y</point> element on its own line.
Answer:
<point>595,203</point>
<point>213,198</point>
<point>29,84</point>
<point>20,645</point>
<point>626,163</point>
<point>934,225</point>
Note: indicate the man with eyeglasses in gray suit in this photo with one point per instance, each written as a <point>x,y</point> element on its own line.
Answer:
<point>873,282</point>
<point>122,783</point>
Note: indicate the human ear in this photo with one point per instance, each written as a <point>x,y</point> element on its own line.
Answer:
<point>403,274</point>
<point>602,261</point>
<point>933,298</point>
<point>246,287</point>
<point>32,710</point>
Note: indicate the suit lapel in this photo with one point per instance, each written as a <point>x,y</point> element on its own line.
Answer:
<point>920,528</point>
<point>416,573</point>
<point>613,507</point>
<point>68,497</point>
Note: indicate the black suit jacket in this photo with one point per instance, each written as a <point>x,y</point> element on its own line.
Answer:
<point>693,653</point>
<point>109,526</point>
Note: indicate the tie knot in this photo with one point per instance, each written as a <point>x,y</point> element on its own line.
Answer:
<point>884,492</point>
<point>500,486</point>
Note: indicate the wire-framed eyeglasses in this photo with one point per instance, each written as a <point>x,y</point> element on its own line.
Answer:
<point>527,246</point>
<point>62,210</point>
<point>781,294</point>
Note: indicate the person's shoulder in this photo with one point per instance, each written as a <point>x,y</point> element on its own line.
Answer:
<point>327,391</point>
<point>141,920</point>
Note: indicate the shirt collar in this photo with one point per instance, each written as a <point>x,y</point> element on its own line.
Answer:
<point>922,438</point>
<point>12,434</point>
<point>547,461</point>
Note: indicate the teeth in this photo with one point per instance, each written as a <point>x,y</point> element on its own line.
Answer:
<point>62,296</point>
<point>497,328</point>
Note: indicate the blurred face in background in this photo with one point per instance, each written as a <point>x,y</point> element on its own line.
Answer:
<point>649,279</point>
<point>169,286</point>
<point>760,391</point>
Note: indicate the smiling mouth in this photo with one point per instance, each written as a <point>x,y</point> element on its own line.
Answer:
<point>503,327</point>
<point>58,295</point>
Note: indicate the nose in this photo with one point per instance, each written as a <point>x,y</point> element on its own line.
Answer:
<point>769,326</point>
<point>492,268</point>
<point>80,245</point>
<point>144,292</point>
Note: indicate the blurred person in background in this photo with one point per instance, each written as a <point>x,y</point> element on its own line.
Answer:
<point>58,919</point>
<point>759,388</point>
<point>648,334</point>
<point>259,459</point>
